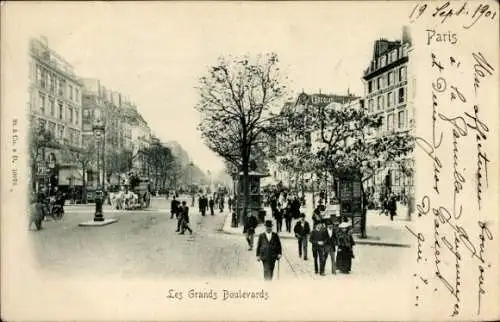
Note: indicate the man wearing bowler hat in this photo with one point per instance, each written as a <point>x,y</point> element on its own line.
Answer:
<point>268,250</point>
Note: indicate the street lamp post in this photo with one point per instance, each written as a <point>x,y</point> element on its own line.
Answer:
<point>99,133</point>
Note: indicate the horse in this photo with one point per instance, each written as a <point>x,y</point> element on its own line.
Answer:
<point>117,199</point>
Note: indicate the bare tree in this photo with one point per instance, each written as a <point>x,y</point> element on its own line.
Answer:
<point>238,97</point>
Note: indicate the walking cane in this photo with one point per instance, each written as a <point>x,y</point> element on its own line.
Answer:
<point>278,275</point>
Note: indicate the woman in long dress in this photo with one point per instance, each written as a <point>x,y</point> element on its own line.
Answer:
<point>345,252</point>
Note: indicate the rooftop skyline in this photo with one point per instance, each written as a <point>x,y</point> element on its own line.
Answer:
<point>157,63</point>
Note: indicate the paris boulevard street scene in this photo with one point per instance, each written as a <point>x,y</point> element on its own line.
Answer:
<point>257,176</point>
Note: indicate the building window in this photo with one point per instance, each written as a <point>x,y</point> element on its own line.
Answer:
<point>394,55</point>
<point>370,106</point>
<point>70,90</point>
<point>52,128</point>
<point>86,113</point>
<point>401,119</point>
<point>60,131</point>
<point>77,95</point>
<point>401,95</point>
<point>382,127</point>
<point>52,107</point>
<point>370,87</point>
<point>70,114</point>
<point>402,74</point>
<point>77,137</point>
<point>380,102</point>
<point>52,79</point>
<point>390,78</point>
<point>76,115</point>
<point>43,79</point>
<point>61,109</point>
<point>390,122</point>
<point>62,84</point>
<point>379,83</point>
<point>41,124</point>
<point>389,99</point>
<point>39,75</point>
<point>382,61</point>
<point>42,102</point>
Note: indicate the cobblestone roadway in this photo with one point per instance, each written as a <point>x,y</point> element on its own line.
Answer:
<point>144,244</point>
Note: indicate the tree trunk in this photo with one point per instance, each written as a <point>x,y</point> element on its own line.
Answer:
<point>246,189</point>
<point>84,184</point>
<point>363,211</point>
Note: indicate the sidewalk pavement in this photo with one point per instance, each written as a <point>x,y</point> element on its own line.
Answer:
<point>380,230</point>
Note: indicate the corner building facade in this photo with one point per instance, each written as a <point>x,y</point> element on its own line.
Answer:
<point>55,95</point>
<point>389,93</point>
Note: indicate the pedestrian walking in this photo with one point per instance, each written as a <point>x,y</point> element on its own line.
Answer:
<point>392,206</point>
<point>330,238</point>
<point>317,240</point>
<point>278,216</point>
<point>174,208</point>
<point>302,231</point>
<point>221,203</point>
<point>211,203</point>
<point>250,225</point>
<point>269,250</point>
<point>288,217</point>
<point>230,203</point>
<point>203,205</point>
<point>345,242</point>
<point>316,217</point>
<point>185,219</point>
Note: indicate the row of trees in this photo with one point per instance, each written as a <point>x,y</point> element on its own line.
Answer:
<point>158,161</point>
<point>239,100</point>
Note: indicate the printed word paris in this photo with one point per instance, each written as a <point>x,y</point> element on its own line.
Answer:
<point>441,37</point>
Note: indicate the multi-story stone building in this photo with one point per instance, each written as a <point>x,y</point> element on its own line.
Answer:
<point>138,136</point>
<point>55,105</point>
<point>126,129</point>
<point>55,94</point>
<point>389,93</point>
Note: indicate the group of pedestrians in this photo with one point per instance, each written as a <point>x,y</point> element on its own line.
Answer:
<point>181,213</point>
<point>331,242</point>
<point>205,203</point>
<point>284,207</point>
<point>330,238</point>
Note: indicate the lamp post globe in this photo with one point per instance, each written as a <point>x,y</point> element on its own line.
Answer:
<point>98,131</point>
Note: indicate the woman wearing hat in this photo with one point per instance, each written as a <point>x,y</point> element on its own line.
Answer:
<point>345,243</point>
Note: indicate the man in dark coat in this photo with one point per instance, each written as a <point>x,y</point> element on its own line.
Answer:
<point>174,208</point>
<point>269,250</point>
<point>330,239</point>
<point>185,219</point>
<point>288,216</point>
<point>317,240</point>
<point>204,205</point>
<point>250,226</point>
<point>302,231</point>
<point>211,204</point>
<point>392,206</point>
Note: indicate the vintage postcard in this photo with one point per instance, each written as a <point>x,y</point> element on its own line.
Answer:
<point>250,161</point>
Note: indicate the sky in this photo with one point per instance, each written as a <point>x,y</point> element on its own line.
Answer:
<point>155,52</point>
